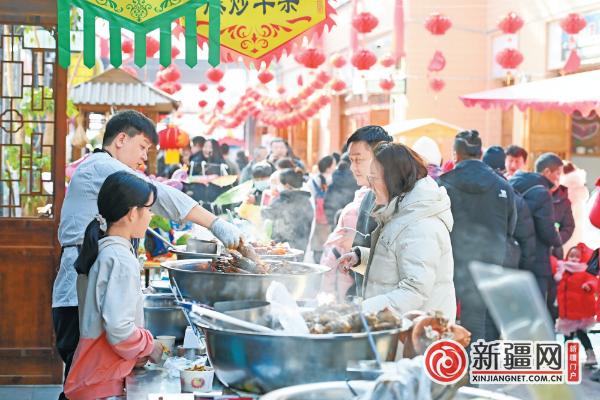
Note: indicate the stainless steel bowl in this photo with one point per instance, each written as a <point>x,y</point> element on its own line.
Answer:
<point>163,317</point>
<point>291,255</point>
<point>255,311</point>
<point>260,363</point>
<point>210,287</point>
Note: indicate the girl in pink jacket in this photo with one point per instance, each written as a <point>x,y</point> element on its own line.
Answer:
<point>112,338</point>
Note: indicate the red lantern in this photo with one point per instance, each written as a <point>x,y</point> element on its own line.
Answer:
<point>265,76</point>
<point>174,52</point>
<point>388,61</point>
<point>437,24</point>
<point>167,138</point>
<point>364,22</point>
<point>437,84</point>
<point>220,104</point>
<point>281,90</point>
<point>152,46</point>
<point>310,58</point>
<point>323,77</point>
<point>338,85</point>
<point>573,23</point>
<point>387,84</point>
<point>437,63</point>
<point>220,88</point>
<point>510,24</point>
<point>363,59</point>
<point>171,73</point>
<point>509,58</point>
<point>214,75</point>
<point>202,103</point>
<point>300,80</point>
<point>170,87</point>
<point>127,46</point>
<point>338,61</point>
<point>203,87</point>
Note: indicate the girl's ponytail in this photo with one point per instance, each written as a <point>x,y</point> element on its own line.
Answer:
<point>89,248</point>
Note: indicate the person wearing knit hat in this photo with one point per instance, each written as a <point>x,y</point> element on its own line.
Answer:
<point>495,158</point>
<point>427,148</point>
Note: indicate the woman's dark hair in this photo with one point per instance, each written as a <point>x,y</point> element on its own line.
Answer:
<point>130,122</point>
<point>119,193</point>
<point>285,163</point>
<point>468,144</point>
<point>217,156</point>
<point>336,156</point>
<point>324,163</point>
<point>402,167</point>
<point>293,177</point>
<point>198,141</point>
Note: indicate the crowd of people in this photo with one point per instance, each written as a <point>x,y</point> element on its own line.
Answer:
<point>399,227</point>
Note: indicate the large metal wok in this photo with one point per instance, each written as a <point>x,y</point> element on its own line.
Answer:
<point>209,287</point>
<point>260,363</point>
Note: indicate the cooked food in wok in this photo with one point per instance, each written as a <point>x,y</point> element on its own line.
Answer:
<point>272,248</point>
<point>345,318</point>
<point>234,263</point>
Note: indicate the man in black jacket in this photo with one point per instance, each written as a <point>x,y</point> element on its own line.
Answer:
<point>523,254</point>
<point>483,208</point>
<point>535,189</point>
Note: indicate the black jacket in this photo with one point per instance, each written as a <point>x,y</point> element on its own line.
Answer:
<point>535,189</point>
<point>563,216</point>
<point>525,233</point>
<point>339,193</point>
<point>292,214</point>
<point>483,207</point>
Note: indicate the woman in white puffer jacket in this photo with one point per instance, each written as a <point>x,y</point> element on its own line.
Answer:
<point>410,264</point>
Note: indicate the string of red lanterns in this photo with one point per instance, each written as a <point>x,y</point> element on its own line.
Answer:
<point>437,24</point>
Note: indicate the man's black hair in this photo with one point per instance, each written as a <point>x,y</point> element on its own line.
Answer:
<point>548,160</point>
<point>516,151</point>
<point>372,134</point>
<point>132,123</point>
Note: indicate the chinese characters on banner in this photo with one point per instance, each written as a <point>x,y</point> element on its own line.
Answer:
<point>263,30</point>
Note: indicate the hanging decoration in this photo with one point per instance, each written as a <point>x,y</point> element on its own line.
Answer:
<point>202,103</point>
<point>398,40</point>
<point>140,17</point>
<point>171,139</point>
<point>572,24</point>
<point>338,85</point>
<point>152,46</point>
<point>437,63</point>
<point>364,22</point>
<point>338,61</point>
<point>437,84</point>
<point>310,58</point>
<point>214,75</point>
<point>510,24</point>
<point>203,87</point>
<point>363,59</point>
<point>387,84</point>
<point>127,46</point>
<point>437,24</point>
<point>262,31</point>
<point>509,58</point>
<point>166,79</point>
<point>265,76</point>
<point>388,61</point>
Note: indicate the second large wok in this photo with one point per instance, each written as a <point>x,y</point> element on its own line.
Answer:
<point>209,287</point>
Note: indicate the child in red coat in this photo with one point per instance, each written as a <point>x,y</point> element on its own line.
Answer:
<point>576,298</point>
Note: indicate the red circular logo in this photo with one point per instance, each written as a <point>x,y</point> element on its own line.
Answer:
<point>445,361</point>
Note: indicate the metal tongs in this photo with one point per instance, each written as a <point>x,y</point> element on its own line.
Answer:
<point>200,314</point>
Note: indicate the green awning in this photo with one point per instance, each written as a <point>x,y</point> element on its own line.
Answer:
<point>140,17</point>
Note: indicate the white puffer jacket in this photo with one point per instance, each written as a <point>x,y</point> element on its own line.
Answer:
<point>410,264</point>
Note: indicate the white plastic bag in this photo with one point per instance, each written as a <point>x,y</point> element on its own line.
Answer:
<point>286,310</point>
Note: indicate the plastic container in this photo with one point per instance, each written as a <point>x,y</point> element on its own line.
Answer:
<point>197,381</point>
